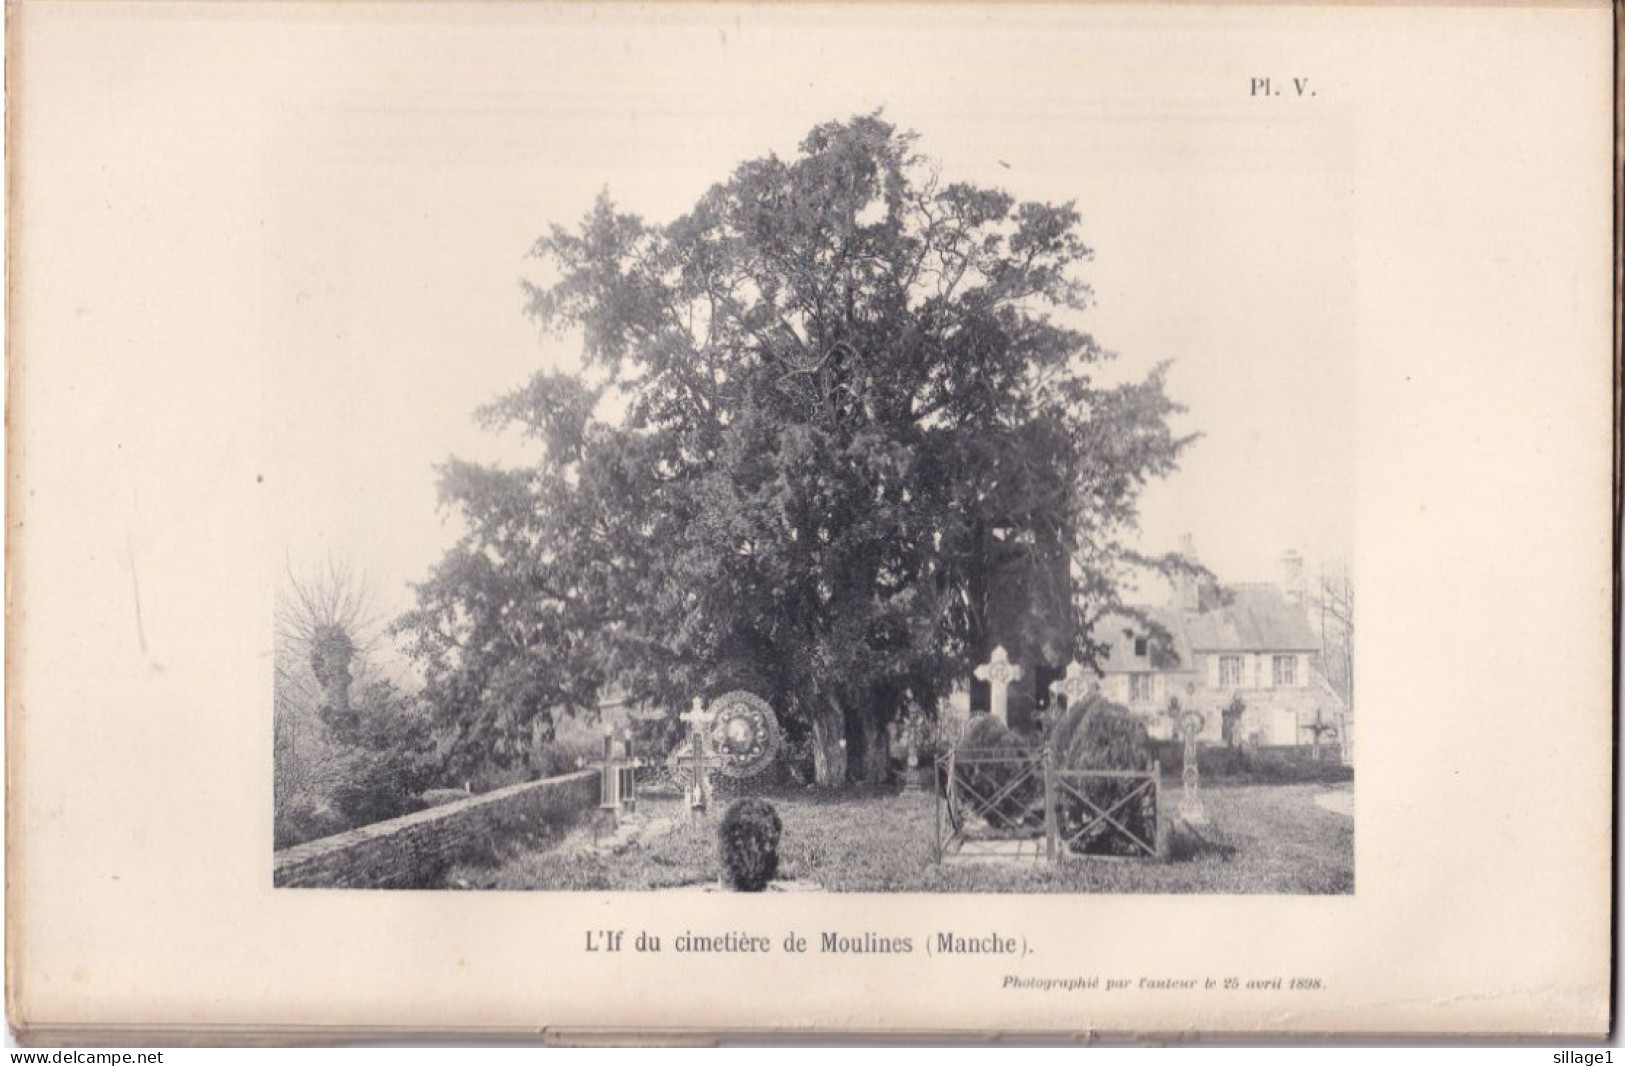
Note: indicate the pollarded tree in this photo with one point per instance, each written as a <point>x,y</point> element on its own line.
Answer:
<point>851,404</point>
<point>323,622</point>
<point>351,747</point>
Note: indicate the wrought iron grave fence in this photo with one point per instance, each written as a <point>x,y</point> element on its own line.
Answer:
<point>1021,804</point>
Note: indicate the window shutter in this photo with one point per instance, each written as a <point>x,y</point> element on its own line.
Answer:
<point>1213,671</point>
<point>1266,671</point>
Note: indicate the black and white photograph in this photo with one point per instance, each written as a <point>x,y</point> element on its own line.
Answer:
<point>614,522</point>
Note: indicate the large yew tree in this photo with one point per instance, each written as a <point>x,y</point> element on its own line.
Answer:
<point>820,418</point>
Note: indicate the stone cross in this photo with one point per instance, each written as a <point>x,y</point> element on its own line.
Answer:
<point>999,672</point>
<point>1075,686</point>
<point>1190,804</point>
<point>700,759</point>
<point>609,782</point>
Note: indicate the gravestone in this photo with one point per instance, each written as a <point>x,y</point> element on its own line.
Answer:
<point>1074,686</point>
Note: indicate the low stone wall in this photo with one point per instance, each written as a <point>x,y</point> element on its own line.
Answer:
<point>415,850</point>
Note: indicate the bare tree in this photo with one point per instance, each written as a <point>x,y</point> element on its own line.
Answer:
<point>325,628</point>
<point>1335,599</point>
<point>325,620</point>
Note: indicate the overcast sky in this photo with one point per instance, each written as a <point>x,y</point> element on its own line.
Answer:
<point>407,168</point>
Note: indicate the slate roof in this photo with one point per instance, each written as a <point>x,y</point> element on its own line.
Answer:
<point>1242,618</point>
<point>1256,618</point>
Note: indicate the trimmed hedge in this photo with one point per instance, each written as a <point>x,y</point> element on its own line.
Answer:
<point>1097,734</point>
<point>1269,766</point>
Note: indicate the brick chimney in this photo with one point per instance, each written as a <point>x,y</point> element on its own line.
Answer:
<point>1290,575</point>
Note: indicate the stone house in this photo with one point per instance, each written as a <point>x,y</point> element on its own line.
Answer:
<point>1246,643</point>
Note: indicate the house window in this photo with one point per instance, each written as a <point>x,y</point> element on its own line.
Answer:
<point>1139,688</point>
<point>1230,671</point>
<point>1286,671</point>
<point>1139,647</point>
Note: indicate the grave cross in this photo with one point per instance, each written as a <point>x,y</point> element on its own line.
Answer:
<point>999,672</point>
<point>1075,686</point>
<point>914,734</point>
<point>1190,804</point>
<point>617,787</point>
<point>1319,728</point>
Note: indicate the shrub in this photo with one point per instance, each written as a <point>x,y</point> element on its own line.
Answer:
<point>749,839</point>
<point>1273,768</point>
<point>989,760</point>
<point>379,786</point>
<point>1097,734</point>
<point>985,734</point>
<point>301,823</point>
<point>1218,763</point>
<point>570,750</point>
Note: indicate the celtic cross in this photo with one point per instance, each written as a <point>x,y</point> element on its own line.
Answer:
<point>1191,724</point>
<point>999,672</point>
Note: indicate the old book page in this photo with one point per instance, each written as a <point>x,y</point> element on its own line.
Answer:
<point>1353,265</point>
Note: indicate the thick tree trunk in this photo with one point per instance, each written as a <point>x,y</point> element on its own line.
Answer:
<point>829,746</point>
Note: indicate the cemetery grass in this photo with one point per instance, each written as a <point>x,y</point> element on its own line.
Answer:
<point>1272,839</point>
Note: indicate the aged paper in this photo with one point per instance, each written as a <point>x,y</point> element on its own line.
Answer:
<point>265,264</point>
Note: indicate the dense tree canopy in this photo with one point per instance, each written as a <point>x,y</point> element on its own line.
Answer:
<point>848,400</point>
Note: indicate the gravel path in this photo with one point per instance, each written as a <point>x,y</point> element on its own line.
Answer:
<point>1340,801</point>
